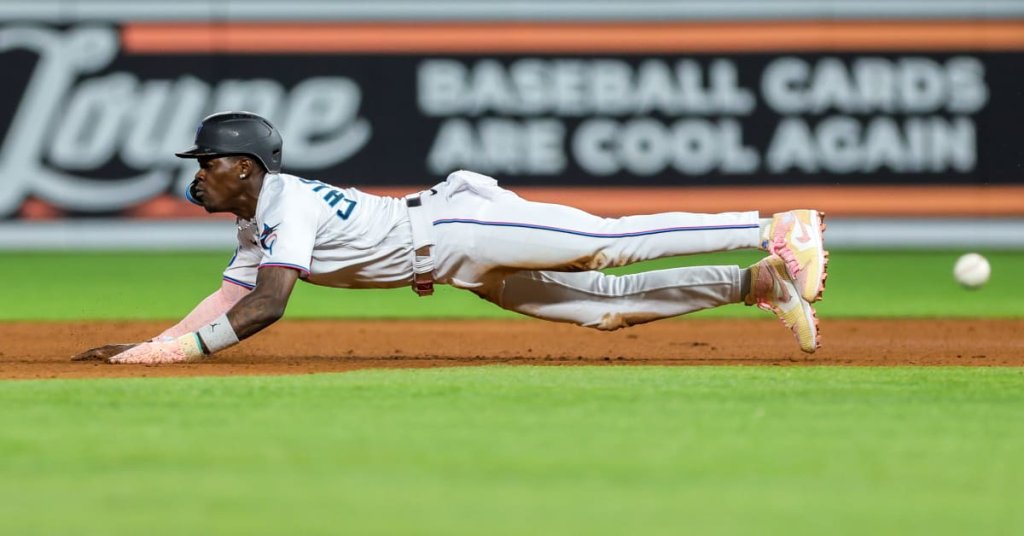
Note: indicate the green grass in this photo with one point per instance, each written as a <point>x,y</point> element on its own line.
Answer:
<point>59,286</point>
<point>495,450</point>
<point>520,450</point>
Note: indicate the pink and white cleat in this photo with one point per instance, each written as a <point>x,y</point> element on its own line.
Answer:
<point>798,238</point>
<point>772,289</point>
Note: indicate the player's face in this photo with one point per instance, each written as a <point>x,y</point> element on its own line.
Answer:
<point>218,183</point>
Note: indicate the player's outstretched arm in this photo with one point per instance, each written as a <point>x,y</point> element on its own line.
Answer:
<point>257,310</point>
<point>211,307</point>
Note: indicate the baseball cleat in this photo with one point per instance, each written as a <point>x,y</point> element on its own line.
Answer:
<point>773,289</point>
<point>798,238</point>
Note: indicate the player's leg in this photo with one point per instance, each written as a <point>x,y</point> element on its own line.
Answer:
<point>500,230</point>
<point>607,302</point>
<point>482,228</point>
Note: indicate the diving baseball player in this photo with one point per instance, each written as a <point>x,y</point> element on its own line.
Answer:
<point>537,259</point>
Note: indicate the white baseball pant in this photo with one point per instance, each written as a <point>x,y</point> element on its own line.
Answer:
<point>541,259</point>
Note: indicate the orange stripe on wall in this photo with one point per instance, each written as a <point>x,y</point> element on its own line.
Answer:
<point>490,38</point>
<point>843,201</point>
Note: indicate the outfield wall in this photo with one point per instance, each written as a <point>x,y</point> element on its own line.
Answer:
<point>875,111</point>
<point>966,234</point>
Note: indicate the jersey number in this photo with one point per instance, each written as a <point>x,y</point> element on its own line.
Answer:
<point>333,197</point>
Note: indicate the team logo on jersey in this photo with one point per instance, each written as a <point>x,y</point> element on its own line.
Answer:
<point>269,237</point>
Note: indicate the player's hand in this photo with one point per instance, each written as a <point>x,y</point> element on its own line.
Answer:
<point>103,352</point>
<point>183,349</point>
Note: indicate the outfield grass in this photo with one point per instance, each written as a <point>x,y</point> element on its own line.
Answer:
<point>59,286</point>
<point>519,450</point>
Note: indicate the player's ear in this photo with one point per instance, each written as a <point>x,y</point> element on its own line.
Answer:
<point>244,168</point>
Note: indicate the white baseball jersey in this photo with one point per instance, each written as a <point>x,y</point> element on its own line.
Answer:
<point>336,237</point>
<point>537,259</point>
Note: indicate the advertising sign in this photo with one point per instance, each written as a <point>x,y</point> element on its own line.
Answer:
<point>91,114</point>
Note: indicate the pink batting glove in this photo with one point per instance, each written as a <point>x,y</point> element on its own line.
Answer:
<point>183,349</point>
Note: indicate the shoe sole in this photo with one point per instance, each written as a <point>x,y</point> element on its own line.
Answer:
<point>812,318</point>
<point>815,327</point>
<point>820,290</point>
<point>817,294</point>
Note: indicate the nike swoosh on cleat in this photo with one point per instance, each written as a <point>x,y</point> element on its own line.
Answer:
<point>805,236</point>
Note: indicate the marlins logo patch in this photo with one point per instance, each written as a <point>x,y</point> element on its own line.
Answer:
<point>269,237</point>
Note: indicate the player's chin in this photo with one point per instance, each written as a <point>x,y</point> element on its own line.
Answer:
<point>210,206</point>
<point>206,203</point>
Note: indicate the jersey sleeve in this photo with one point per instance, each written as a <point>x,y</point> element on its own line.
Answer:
<point>241,269</point>
<point>287,232</point>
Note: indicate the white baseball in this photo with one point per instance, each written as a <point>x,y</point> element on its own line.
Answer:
<point>972,270</point>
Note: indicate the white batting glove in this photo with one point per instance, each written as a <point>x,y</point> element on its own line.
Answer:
<point>183,349</point>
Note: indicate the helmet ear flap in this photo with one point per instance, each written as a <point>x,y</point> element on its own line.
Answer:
<point>275,160</point>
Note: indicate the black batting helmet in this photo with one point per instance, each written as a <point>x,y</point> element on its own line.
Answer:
<point>228,133</point>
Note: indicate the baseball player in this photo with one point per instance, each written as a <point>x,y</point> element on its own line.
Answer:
<point>538,259</point>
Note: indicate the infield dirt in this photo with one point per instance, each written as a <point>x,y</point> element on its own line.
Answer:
<point>43,349</point>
